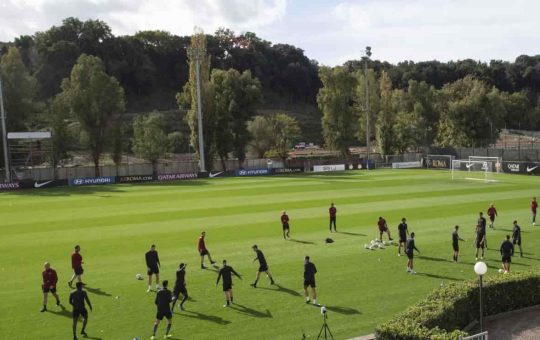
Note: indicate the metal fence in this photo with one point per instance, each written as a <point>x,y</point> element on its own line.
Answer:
<point>479,336</point>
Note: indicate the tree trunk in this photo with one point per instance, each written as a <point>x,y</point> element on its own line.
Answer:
<point>223,165</point>
<point>96,167</point>
<point>154,168</point>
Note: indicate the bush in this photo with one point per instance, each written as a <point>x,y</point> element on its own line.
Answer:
<point>447,310</point>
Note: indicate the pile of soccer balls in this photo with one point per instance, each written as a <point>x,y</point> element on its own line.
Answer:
<point>376,244</point>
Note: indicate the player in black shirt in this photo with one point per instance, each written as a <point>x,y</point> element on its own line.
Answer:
<point>482,222</point>
<point>480,240</point>
<point>226,272</point>
<point>77,299</point>
<point>163,300</point>
<point>455,243</point>
<point>180,286</point>
<point>507,251</point>
<point>152,263</point>
<point>516,237</point>
<point>263,266</point>
<point>309,280</point>
<point>403,232</point>
<point>410,247</point>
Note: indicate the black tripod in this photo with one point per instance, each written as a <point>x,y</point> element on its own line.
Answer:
<point>326,329</point>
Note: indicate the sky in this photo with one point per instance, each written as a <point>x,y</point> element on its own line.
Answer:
<point>331,31</point>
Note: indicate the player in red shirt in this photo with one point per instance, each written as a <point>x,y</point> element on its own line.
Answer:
<point>49,285</point>
<point>534,205</point>
<point>76,264</point>
<point>332,211</point>
<point>203,251</point>
<point>383,227</point>
<point>285,224</point>
<point>492,212</point>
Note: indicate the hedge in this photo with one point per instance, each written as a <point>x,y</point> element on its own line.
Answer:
<point>449,309</point>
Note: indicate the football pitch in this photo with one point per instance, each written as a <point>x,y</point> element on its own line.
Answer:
<point>115,226</point>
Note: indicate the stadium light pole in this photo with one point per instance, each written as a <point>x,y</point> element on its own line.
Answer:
<point>196,54</point>
<point>4,133</point>
<point>366,85</point>
<point>480,269</point>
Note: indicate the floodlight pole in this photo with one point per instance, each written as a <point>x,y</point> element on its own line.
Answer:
<point>196,54</point>
<point>366,85</point>
<point>4,134</point>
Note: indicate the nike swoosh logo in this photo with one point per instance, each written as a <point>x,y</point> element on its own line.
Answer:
<point>469,165</point>
<point>214,175</point>
<point>531,169</point>
<point>39,185</point>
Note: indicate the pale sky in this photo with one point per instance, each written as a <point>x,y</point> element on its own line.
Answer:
<point>330,32</point>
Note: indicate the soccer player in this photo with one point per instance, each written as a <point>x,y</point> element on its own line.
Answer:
<point>180,286</point>
<point>383,227</point>
<point>263,267</point>
<point>285,224</point>
<point>77,299</point>
<point>480,240</point>
<point>203,251</point>
<point>507,251</point>
<point>332,211</point>
<point>152,264</point>
<point>483,224</point>
<point>492,212</point>
<point>455,243</point>
<point>226,272</point>
<point>163,300</point>
<point>49,285</point>
<point>76,264</point>
<point>403,232</point>
<point>534,205</point>
<point>516,237</point>
<point>309,280</point>
<point>409,250</point>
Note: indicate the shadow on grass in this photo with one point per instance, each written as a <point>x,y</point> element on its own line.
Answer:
<point>436,259</point>
<point>94,338</point>
<point>301,241</point>
<point>96,291</point>
<point>62,312</point>
<point>282,289</point>
<point>204,317</point>
<point>352,234</point>
<point>250,311</point>
<point>343,310</point>
<point>435,276</point>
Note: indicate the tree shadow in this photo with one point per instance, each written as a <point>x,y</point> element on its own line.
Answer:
<point>204,317</point>
<point>449,278</point>
<point>300,241</point>
<point>62,312</point>
<point>250,311</point>
<point>350,233</point>
<point>343,310</point>
<point>96,291</point>
<point>282,289</point>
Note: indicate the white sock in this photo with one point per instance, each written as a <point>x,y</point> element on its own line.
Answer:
<point>150,287</point>
<point>307,298</point>
<point>157,286</point>
<point>314,301</point>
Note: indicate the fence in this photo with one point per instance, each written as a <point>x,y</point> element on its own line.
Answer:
<point>479,336</point>
<point>516,155</point>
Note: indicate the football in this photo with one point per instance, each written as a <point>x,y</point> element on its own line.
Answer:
<point>138,277</point>
<point>500,270</point>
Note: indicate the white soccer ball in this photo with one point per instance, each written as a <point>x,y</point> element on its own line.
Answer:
<point>500,270</point>
<point>138,277</point>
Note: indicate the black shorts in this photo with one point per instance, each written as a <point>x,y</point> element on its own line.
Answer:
<point>455,246</point>
<point>179,289</point>
<point>383,229</point>
<point>263,268</point>
<point>78,270</point>
<point>285,226</point>
<point>517,241</point>
<point>227,287</point>
<point>492,218</point>
<point>203,252</point>
<point>507,258</point>
<point>153,270</point>
<point>160,314</point>
<point>410,255</point>
<point>309,283</point>
<point>402,238</point>
<point>480,244</point>
<point>78,312</point>
<point>48,289</point>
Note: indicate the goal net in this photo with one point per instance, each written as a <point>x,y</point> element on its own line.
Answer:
<point>496,162</point>
<point>472,170</point>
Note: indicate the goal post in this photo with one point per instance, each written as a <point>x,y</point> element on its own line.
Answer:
<point>472,170</point>
<point>496,161</point>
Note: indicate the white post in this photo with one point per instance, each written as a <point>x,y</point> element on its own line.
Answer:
<point>366,84</point>
<point>4,134</point>
<point>199,112</point>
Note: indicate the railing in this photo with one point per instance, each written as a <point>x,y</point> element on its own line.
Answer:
<point>479,336</point>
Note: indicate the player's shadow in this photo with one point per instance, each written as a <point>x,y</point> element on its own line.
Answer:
<point>301,241</point>
<point>94,338</point>
<point>214,269</point>
<point>449,278</point>
<point>350,233</point>
<point>96,291</point>
<point>343,310</point>
<point>62,312</point>
<point>281,289</point>
<point>436,259</point>
<point>250,311</point>
<point>204,317</point>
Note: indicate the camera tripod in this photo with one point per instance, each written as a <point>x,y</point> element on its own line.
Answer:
<point>326,330</point>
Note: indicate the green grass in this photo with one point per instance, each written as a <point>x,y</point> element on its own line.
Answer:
<point>115,226</point>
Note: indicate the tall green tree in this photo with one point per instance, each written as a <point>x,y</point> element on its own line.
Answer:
<point>386,117</point>
<point>285,133</point>
<point>19,89</point>
<point>262,135</point>
<point>360,103</point>
<point>335,100</point>
<point>93,97</point>
<point>149,138</point>
<point>58,119</point>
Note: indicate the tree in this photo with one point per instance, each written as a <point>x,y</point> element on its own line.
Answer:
<point>386,116</point>
<point>58,121</point>
<point>335,100</point>
<point>285,132</point>
<point>262,135</point>
<point>93,98</point>
<point>149,138</point>
<point>118,144</point>
<point>19,90</point>
<point>359,98</point>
